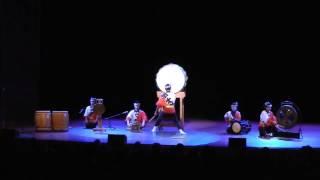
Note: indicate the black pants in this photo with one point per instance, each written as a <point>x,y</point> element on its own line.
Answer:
<point>159,119</point>
<point>91,125</point>
<point>267,129</point>
<point>229,130</point>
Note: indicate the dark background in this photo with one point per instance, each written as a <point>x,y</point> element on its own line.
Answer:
<point>56,54</point>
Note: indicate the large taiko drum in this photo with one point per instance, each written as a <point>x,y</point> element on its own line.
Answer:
<point>43,120</point>
<point>60,120</point>
<point>171,74</point>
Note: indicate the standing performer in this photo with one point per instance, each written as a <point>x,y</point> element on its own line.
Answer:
<point>166,105</point>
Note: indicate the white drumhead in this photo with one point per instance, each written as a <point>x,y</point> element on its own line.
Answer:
<point>171,74</point>
<point>236,127</point>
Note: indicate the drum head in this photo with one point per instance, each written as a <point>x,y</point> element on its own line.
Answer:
<point>171,74</point>
<point>287,116</point>
<point>99,109</point>
<point>236,127</point>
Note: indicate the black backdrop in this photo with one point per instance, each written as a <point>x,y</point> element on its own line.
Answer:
<point>55,55</point>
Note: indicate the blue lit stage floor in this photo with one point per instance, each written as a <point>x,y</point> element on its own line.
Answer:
<point>199,133</point>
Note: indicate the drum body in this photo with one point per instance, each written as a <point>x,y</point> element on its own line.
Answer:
<point>287,114</point>
<point>135,127</point>
<point>236,127</point>
<point>60,120</point>
<point>239,127</point>
<point>99,109</point>
<point>43,120</point>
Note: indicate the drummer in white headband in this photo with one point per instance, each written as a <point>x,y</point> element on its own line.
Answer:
<point>166,105</point>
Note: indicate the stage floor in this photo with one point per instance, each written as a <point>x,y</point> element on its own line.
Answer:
<point>199,133</point>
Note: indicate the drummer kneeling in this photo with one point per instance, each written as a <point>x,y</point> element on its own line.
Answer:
<point>136,118</point>
<point>268,124</point>
<point>232,116</point>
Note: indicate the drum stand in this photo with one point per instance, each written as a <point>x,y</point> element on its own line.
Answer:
<point>285,133</point>
<point>109,124</point>
<point>100,128</point>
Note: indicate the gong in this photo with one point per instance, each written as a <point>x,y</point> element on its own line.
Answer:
<point>287,114</point>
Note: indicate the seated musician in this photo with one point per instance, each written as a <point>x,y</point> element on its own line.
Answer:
<point>232,115</point>
<point>166,105</point>
<point>136,118</point>
<point>268,121</point>
<point>90,117</point>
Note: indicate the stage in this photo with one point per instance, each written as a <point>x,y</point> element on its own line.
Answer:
<point>199,133</point>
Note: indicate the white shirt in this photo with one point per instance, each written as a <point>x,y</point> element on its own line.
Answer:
<point>133,115</point>
<point>88,111</point>
<point>228,115</point>
<point>170,98</point>
<point>264,116</point>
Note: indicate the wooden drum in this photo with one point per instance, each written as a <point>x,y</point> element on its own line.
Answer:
<point>60,120</point>
<point>43,120</point>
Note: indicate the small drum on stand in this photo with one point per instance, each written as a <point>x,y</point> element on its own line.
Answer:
<point>135,127</point>
<point>60,120</point>
<point>239,127</point>
<point>99,109</point>
<point>43,120</point>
